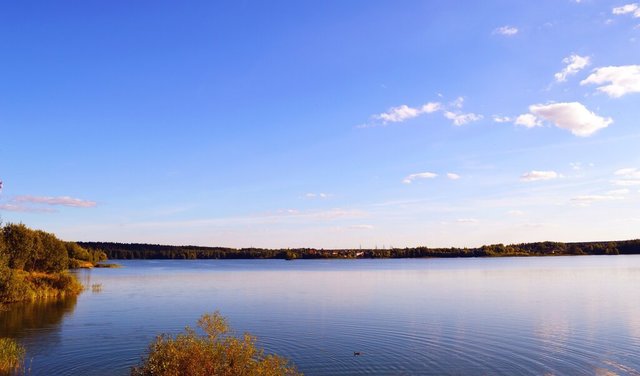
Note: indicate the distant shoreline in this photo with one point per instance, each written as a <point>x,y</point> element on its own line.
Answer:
<point>157,251</point>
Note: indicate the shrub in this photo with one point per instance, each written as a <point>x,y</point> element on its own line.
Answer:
<point>215,353</point>
<point>18,285</point>
<point>11,356</point>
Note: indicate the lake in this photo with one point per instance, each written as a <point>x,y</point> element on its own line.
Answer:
<point>476,316</point>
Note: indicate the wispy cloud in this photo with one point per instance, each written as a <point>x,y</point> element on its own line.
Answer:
<point>61,200</point>
<point>466,220</point>
<point>586,200</point>
<point>575,63</point>
<point>452,176</point>
<point>459,119</point>
<point>627,177</point>
<point>320,195</point>
<point>421,175</point>
<point>502,119</point>
<point>506,30</point>
<point>631,172</point>
<point>25,208</point>
<point>401,113</point>
<point>536,175</point>
<point>572,116</point>
<point>622,80</point>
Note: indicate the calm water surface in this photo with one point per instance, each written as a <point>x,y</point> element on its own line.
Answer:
<point>495,316</point>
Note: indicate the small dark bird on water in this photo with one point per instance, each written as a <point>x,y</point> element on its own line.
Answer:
<point>357,353</point>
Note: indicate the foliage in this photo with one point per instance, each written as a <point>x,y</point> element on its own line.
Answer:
<point>215,353</point>
<point>17,285</point>
<point>19,243</point>
<point>155,251</point>
<point>33,264</point>
<point>22,248</point>
<point>11,356</point>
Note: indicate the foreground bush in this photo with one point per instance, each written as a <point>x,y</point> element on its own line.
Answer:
<point>11,356</point>
<point>215,353</point>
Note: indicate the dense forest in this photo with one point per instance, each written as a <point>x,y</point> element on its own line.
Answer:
<point>156,251</point>
<point>33,264</point>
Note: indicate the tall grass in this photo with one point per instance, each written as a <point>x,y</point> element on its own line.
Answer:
<point>217,352</point>
<point>11,356</point>
<point>18,285</point>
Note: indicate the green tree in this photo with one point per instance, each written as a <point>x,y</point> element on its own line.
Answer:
<point>19,240</point>
<point>53,254</point>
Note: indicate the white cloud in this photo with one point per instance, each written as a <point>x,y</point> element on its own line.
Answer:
<point>586,200</point>
<point>458,103</point>
<point>632,172</point>
<point>622,80</point>
<point>506,30</point>
<point>626,9</point>
<point>431,107</point>
<point>422,175</point>
<point>312,195</point>
<point>462,119</point>
<point>572,116</point>
<point>62,200</point>
<point>466,220</point>
<point>453,176</point>
<point>539,175</point>
<point>626,183</point>
<point>618,192</point>
<point>629,177</point>
<point>501,119</point>
<point>527,120</point>
<point>575,63</point>
<point>398,114</point>
<point>402,113</point>
<point>516,213</point>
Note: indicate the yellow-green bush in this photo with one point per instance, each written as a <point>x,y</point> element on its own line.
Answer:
<point>17,285</point>
<point>215,353</point>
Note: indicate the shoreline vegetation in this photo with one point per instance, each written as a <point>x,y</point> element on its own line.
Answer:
<point>12,356</point>
<point>217,352</point>
<point>34,264</point>
<point>157,251</point>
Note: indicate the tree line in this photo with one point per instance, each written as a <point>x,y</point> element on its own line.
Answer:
<point>157,251</point>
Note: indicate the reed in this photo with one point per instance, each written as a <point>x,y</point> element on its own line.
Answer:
<point>11,356</point>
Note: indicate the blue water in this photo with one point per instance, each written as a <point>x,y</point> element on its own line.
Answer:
<point>491,316</point>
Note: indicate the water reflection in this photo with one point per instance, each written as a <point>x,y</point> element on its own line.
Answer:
<point>44,315</point>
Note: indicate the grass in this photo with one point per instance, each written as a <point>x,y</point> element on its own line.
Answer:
<point>217,352</point>
<point>19,285</point>
<point>11,356</point>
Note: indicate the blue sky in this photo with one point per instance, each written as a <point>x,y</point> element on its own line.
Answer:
<point>321,124</point>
